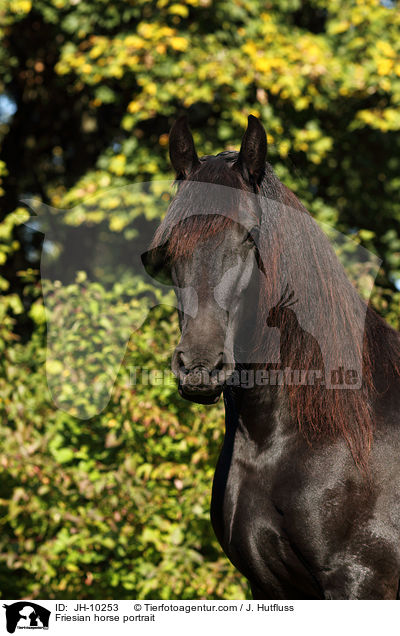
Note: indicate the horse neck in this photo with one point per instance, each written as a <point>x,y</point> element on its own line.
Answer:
<point>257,408</point>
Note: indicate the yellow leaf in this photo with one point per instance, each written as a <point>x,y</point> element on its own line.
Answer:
<point>134,107</point>
<point>339,27</point>
<point>384,66</point>
<point>179,9</point>
<point>117,164</point>
<point>386,48</point>
<point>178,43</point>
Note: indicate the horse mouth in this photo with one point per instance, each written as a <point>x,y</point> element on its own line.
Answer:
<point>201,397</point>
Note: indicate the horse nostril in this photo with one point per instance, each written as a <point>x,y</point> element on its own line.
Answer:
<point>220,364</point>
<point>181,362</point>
<point>178,363</point>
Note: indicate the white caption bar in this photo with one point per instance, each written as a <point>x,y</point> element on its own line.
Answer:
<point>200,617</point>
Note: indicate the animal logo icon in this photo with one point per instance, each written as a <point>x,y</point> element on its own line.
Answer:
<point>24,614</point>
<point>295,342</point>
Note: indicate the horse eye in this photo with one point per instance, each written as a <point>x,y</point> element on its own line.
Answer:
<point>248,238</point>
<point>252,236</point>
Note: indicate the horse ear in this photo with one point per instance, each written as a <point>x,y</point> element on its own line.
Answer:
<point>253,151</point>
<point>181,148</point>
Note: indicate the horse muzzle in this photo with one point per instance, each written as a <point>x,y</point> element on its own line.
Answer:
<point>202,383</point>
<point>201,386</point>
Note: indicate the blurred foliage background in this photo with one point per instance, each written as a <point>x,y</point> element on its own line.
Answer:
<point>117,505</point>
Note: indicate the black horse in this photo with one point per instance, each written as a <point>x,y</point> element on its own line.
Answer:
<point>305,499</point>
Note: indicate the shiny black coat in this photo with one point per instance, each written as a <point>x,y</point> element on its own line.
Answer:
<point>301,521</point>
